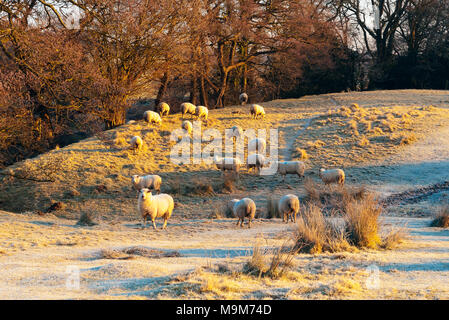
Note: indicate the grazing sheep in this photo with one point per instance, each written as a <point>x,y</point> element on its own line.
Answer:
<point>223,164</point>
<point>136,143</point>
<point>235,132</point>
<point>256,111</point>
<point>152,117</point>
<point>257,145</point>
<point>151,181</point>
<point>201,112</point>
<point>187,125</point>
<point>332,176</point>
<point>289,207</point>
<point>291,167</point>
<point>256,161</point>
<point>187,107</point>
<point>163,108</point>
<point>154,207</point>
<point>243,98</point>
<point>244,208</point>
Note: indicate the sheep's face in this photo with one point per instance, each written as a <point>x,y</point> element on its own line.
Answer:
<point>135,179</point>
<point>145,193</point>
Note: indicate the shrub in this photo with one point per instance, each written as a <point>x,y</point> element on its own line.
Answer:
<point>441,219</point>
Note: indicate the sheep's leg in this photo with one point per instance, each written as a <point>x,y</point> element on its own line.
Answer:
<point>165,224</point>
<point>144,222</point>
<point>241,224</point>
<point>283,217</point>
<point>238,221</point>
<point>154,224</point>
<point>249,223</point>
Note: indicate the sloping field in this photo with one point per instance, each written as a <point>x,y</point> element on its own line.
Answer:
<point>404,135</point>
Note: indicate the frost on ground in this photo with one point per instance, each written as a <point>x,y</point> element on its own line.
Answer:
<point>201,255</point>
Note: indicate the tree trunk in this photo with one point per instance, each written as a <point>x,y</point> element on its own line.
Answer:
<point>194,90</point>
<point>162,89</point>
<point>220,98</point>
<point>203,93</point>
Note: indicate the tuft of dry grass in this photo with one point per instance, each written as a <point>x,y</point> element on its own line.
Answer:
<point>133,252</point>
<point>441,219</point>
<point>279,264</point>
<point>200,186</point>
<point>300,154</point>
<point>86,219</point>
<point>405,139</point>
<point>363,141</point>
<point>315,234</point>
<point>361,222</point>
<point>229,182</point>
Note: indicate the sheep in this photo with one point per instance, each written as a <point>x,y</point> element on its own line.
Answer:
<point>288,206</point>
<point>256,161</point>
<point>257,145</point>
<point>332,176</point>
<point>152,117</point>
<point>243,98</point>
<point>136,143</point>
<point>187,107</point>
<point>187,125</point>
<point>163,108</point>
<point>235,132</point>
<point>223,164</point>
<point>244,208</point>
<point>201,112</point>
<point>291,167</point>
<point>257,110</point>
<point>151,181</point>
<point>154,207</point>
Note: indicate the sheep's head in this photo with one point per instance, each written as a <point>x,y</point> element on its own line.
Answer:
<point>145,193</point>
<point>135,179</point>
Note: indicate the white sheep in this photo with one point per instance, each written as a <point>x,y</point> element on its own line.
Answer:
<point>201,112</point>
<point>187,125</point>
<point>187,107</point>
<point>136,143</point>
<point>332,176</point>
<point>231,164</point>
<point>291,167</point>
<point>153,207</point>
<point>244,208</point>
<point>163,108</point>
<point>256,111</point>
<point>243,98</point>
<point>235,132</point>
<point>152,117</point>
<point>151,181</point>
<point>255,161</point>
<point>257,145</point>
<point>288,206</point>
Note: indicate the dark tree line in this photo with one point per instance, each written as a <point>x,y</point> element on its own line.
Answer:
<point>71,66</point>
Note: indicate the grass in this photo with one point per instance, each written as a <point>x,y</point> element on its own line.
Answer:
<point>441,218</point>
<point>86,219</point>
<point>272,208</point>
<point>358,228</point>
<point>136,251</point>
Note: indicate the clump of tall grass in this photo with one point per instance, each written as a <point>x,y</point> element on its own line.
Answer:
<point>441,218</point>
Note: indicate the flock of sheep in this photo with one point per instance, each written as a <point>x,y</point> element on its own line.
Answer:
<point>161,205</point>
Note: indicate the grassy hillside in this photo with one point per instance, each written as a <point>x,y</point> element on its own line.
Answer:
<point>94,174</point>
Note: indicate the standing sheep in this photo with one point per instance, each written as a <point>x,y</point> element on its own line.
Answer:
<point>288,206</point>
<point>201,112</point>
<point>291,167</point>
<point>187,107</point>
<point>257,145</point>
<point>151,181</point>
<point>152,117</point>
<point>187,125</point>
<point>332,176</point>
<point>224,164</point>
<point>244,208</point>
<point>153,207</point>
<point>256,111</point>
<point>243,98</point>
<point>256,161</point>
<point>136,143</point>
<point>163,108</point>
